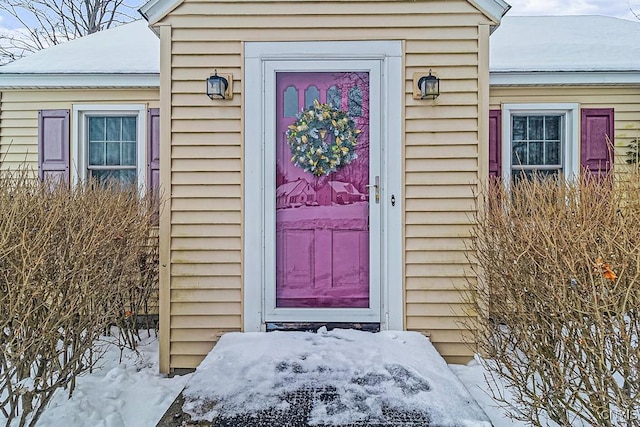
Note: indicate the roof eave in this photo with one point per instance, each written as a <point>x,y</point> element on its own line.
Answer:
<point>493,9</point>
<point>79,80</point>
<point>563,78</point>
<point>155,10</point>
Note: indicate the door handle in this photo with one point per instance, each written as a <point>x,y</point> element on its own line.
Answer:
<point>377,187</point>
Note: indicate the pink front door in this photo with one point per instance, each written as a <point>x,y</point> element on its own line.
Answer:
<point>322,216</point>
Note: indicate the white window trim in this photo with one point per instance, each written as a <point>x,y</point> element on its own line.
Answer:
<point>570,134</point>
<point>257,54</point>
<point>79,161</point>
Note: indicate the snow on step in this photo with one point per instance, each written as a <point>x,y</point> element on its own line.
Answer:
<point>250,372</point>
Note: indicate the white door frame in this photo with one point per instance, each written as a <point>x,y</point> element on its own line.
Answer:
<point>262,59</point>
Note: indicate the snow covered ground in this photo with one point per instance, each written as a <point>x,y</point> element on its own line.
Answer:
<point>134,394</point>
<point>127,394</point>
<point>473,376</point>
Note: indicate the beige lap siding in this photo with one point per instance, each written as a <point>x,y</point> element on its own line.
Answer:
<point>440,170</point>
<point>625,100</point>
<point>19,116</point>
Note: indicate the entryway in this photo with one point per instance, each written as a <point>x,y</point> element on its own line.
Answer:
<point>323,200</point>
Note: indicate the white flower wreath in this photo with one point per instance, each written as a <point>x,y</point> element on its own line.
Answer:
<point>322,139</point>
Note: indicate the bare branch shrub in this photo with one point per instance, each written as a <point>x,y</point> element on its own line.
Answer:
<point>69,268</point>
<point>562,265</point>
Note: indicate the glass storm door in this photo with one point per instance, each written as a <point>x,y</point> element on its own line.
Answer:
<point>327,195</point>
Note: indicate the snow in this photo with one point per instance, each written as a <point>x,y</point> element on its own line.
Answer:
<point>132,393</point>
<point>128,49</point>
<point>565,43</point>
<point>127,394</point>
<point>474,376</point>
<point>401,370</point>
<point>519,44</point>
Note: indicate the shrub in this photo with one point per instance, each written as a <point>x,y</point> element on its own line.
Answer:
<point>70,266</point>
<point>561,310</point>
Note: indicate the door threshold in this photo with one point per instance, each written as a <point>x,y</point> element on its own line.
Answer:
<point>314,326</point>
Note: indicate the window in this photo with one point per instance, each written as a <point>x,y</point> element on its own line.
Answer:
<point>109,143</point>
<point>112,148</point>
<point>539,139</point>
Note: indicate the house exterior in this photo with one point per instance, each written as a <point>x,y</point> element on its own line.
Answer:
<point>51,99</point>
<point>580,75</point>
<point>369,226</point>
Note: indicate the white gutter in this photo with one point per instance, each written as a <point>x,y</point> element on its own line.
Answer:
<point>80,80</point>
<point>529,78</point>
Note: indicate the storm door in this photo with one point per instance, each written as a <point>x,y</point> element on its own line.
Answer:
<point>327,195</point>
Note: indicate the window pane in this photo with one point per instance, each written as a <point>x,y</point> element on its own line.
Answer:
<point>536,128</point>
<point>290,102</point>
<point>519,175</point>
<point>311,94</point>
<point>123,176</point>
<point>128,153</point>
<point>113,153</point>
<point>552,153</point>
<point>96,128</point>
<point>519,130</point>
<point>519,153</point>
<point>113,128</point>
<point>552,127</point>
<point>96,153</point>
<point>334,97</point>
<point>536,153</point>
<point>128,128</point>
<point>355,102</point>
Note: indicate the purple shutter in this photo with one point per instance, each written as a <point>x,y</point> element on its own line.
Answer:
<point>495,143</point>
<point>53,145</point>
<point>153,151</point>
<point>596,154</point>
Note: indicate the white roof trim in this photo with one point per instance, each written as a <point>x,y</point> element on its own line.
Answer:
<point>154,10</point>
<point>564,78</point>
<point>494,9</point>
<point>98,80</point>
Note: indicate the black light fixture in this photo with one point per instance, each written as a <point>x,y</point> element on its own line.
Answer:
<point>217,86</point>
<point>429,86</point>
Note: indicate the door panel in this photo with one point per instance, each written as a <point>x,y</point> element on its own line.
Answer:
<point>322,222</point>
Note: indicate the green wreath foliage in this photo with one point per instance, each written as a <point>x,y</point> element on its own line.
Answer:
<point>322,139</point>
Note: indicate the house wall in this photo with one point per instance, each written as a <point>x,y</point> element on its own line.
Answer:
<point>203,258</point>
<point>19,116</point>
<point>625,100</point>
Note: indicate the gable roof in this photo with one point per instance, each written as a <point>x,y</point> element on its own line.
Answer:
<point>155,10</point>
<point>571,49</point>
<point>127,55</point>
<point>524,50</point>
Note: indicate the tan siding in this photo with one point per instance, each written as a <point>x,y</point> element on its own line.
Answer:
<point>204,282</point>
<point>624,100</point>
<point>206,153</point>
<point>19,116</point>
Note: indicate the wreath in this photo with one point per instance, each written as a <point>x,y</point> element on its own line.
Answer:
<point>322,139</point>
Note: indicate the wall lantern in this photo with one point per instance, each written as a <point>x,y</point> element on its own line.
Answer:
<point>217,86</point>
<point>429,86</point>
